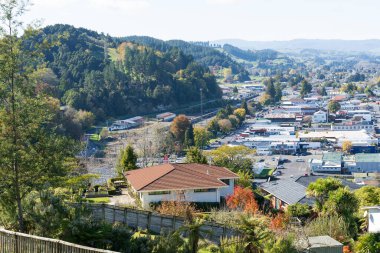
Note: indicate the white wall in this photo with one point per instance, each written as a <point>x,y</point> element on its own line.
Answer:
<point>189,195</point>
<point>374,220</point>
<point>224,192</point>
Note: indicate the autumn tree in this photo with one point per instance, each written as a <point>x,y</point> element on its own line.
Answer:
<point>240,113</point>
<point>225,125</point>
<point>347,146</point>
<point>243,200</point>
<point>213,127</point>
<point>127,160</point>
<point>265,99</point>
<point>233,158</point>
<point>189,136</point>
<point>32,153</point>
<point>179,126</point>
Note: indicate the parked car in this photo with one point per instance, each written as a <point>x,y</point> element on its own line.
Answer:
<point>277,173</point>
<point>280,167</point>
<point>300,160</point>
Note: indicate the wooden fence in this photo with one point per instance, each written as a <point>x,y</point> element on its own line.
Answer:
<point>13,242</point>
<point>153,221</point>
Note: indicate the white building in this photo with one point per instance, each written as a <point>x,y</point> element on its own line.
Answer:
<point>181,182</point>
<point>166,116</point>
<point>319,117</point>
<point>373,213</point>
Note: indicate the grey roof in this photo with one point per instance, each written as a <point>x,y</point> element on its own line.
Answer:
<point>306,180</point>
<point>369,158</point>
<point>323,241</point>
<point>287,190</point>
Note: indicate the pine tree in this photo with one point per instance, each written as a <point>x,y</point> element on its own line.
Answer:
<point>271,90</point>
<point>278,95</point>
<point>127,160</point>
<point>189,136</point>
<point>245,107</point>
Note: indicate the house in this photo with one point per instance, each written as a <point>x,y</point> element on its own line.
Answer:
<point>126,123</point>
<point>324,244</point>
<point>319,117</point>
<point>285,192</point>
<point>367,162</point>
<point>373,213</point>
<point>281,117</point>
<point>166,116</point>
<point>182,182</point>
<point>331,163</point>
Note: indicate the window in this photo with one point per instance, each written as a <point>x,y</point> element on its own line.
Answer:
<point>226,181</point>
<point>205,190</point>
<point>159,193</point>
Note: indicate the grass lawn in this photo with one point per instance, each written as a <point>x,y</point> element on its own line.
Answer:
<point>102,200</point>
<point>95,137</point>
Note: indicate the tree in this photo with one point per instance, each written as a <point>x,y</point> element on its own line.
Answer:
<point>245,178</point>
<point>127,160</point>
<point>368,243</point>
<point>189,136</point>
<point>298,210</point>
<point>201,137</point>
<point>240,113</point>
<point>265,99</point>
<point>244,106</point>
<point>225,125</point>
<point>255,234</point>
<point>320,190</point>
<point>334,226</point>
<point>235,90</point>
<point>195,233</point>
<point>342,202</point>
<point>213,127</point>
<point>368,196</point>
<point>347,146</point>
<point>306,88</point>
<point>270,88</point>
<point>32,153</point>
<point>278,94</point>
<point>233,158</point>
<point>333,106</point>
<point>242,200</point>
<point>194,155</point>
<point>179,126</point>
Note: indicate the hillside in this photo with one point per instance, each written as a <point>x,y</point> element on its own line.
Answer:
<point>204,55</point>
<point>370,46</point>
<point>111,77</point>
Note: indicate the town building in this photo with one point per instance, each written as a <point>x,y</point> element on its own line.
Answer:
<point>319,117</point>
<point>126,123</point>
<point>166,116</point>
<point>181,182</point>
<point>373,214</point>
<point>281,117</point>
<point>353,126</point>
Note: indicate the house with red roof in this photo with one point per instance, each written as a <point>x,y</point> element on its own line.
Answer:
<point>181,182</point>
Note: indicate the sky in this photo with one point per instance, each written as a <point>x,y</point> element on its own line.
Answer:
<point>207,20</point>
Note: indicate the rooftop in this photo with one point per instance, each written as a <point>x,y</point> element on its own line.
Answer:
<point>287,190</point>
<point>332,157</point>
<point>368,158</point>
<point>178,177</point>
<point>323,241</point>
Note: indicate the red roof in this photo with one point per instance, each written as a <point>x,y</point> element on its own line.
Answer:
<point>339,98</point>
<point>178,176</point>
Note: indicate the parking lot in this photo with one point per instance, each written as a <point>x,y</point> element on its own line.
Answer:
<point>294,167</point>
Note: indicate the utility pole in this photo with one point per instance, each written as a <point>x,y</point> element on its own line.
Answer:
<point>201,90</point>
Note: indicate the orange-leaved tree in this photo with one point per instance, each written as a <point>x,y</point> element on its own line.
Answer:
<point>243,199</point>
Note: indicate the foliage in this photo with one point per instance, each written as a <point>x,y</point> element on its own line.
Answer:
<point>243,200</point>
<point>176,208</point>
<point>298,210</point>
<point>195,155</point>
<point>213,127</point>
<point>368,243</point>
<point>201,137</point>
<point>233,244</point>
<point>281,245</point>
<point>255,234</point>
<point>332,225</point>
<point>320,190</point>
<point>347,146</point>
<point>368,196</point>
<point>306,88</point>
<point>127,160</point>
<point>261,55</point>
<point>265,99</point>
<point>245,179</point>
<point>225,125</point>
<point>229,218</point>
<point>333,106</point>
<point>278,222</point>
<point>136,79</point>
<point>32,152</point>
<point>244,106</point>
<point>179,126</point>
<point>342,202</point>
<point>189,136</point>
<point>195,233</point>
<point>169,242</point>
<point>232,157</point>
<point>240,114</point>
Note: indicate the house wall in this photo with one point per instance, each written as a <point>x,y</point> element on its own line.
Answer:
<point>374,220</point>
<point>224,192</point>
<point>189,195</point>
<point>368,166</point>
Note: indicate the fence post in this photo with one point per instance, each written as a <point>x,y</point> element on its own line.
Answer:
<point>16,243</point>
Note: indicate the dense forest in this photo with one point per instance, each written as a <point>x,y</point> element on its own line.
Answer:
<point>204,55</point>
<point>111,77</point>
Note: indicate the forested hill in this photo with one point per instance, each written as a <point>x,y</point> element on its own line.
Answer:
<point>249,55</point>
<point>204,55</point>
<point>109,77</point>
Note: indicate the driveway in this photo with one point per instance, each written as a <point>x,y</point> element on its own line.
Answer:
<point>123,199</point>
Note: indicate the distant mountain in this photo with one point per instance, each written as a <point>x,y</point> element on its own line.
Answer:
<point>372,46</point>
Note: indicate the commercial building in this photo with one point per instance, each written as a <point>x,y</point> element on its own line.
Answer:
<point>319,117</point>
<point>166,116</point>
<point>126,123</point>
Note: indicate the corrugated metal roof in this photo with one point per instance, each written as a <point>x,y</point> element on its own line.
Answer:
<point>287,190</point>
<point>369,158</point>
